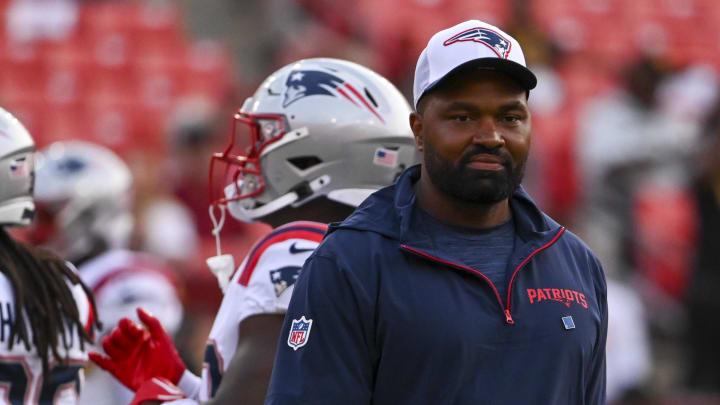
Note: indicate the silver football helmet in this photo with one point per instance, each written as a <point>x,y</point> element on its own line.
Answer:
<point>83,195</point>
<point>17,162</point>
<point>317,127</point>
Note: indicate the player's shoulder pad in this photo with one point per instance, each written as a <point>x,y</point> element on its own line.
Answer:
<point>304,230</point>
<point>119,264</point>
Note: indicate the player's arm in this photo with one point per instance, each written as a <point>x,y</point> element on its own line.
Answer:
<point>333,362</point>
<point>246,379</point>
<point>595,388</point>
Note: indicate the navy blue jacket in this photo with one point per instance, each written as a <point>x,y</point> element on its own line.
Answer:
<point>396,321</point>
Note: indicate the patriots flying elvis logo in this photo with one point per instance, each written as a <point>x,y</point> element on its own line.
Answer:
<point>284,277</point>
<point>304,83</point>
<point>485,36</point>
<point>70,165</point>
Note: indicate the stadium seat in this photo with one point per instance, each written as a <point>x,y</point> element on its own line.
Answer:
<point>554,143</point>
<point>115,79</point>
<point>99,16</point>
<point>62,122</point>
<point>21,77</point>
<point>584,79</point>
<point>665,234</point>
<point>206,71</point>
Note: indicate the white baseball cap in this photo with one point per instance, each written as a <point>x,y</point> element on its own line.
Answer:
<point>475,43</point>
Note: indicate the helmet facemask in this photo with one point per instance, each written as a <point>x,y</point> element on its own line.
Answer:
<point>236,174</point>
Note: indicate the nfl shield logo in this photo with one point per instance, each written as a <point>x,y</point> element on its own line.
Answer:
<point>299,332</point>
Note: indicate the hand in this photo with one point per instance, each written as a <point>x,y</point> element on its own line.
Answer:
<point>136,354</point>
<point>156,389</point>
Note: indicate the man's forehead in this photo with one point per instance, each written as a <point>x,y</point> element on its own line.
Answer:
<point>500,92</point>
<point>469,83</point>
<point>477,76</point>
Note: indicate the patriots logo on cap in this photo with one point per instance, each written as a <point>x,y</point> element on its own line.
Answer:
<point>485,36</point>
<point>304,83</point>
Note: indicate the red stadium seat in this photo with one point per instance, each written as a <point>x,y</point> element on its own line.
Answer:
<point>109,85</point>
<point>584,80</point>
<point>157,91</point>
<point>125,126</point>
<point>159,53</point>
<point>206,72</point>
<point>21,72</point>
<point>546,13</point>
<point>158,19</point>
<point>99,16</point>
<point>61,123</point>
<point>115,80</point>
<point>111,48</point>
<point>111,124</point>
<point>665,221</point>
<point>554,151</point>
<point>143,20</point>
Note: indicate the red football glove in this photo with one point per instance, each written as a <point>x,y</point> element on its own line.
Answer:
<point>137,354</point>
<point>157,389</point>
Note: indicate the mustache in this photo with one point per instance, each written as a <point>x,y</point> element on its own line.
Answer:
<point>505,157</point>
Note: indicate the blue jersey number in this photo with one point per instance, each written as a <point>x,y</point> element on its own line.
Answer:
<point>212,362</point>
<point>15,377</point>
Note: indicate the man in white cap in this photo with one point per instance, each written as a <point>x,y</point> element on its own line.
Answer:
<point>451,286</point>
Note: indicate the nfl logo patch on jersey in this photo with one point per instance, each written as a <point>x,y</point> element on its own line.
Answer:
<point>299,332</point>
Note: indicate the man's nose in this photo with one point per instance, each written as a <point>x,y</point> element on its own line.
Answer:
<point>488,134</point>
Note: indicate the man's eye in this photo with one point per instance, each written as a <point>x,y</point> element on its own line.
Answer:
<point>511,119</point>
<point>461,118</point>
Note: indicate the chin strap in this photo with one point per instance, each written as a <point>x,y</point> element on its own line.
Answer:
<point>222,265</point>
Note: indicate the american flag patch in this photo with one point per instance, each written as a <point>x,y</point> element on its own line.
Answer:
<point>568,322</point>
<point>385,157</point>
<point>19,167</point>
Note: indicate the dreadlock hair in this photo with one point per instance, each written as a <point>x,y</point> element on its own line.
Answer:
<point>39,281</point>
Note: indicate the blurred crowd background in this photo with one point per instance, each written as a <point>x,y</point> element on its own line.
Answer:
<point>626,135</point>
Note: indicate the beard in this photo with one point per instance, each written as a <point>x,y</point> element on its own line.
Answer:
<point>472,185</point>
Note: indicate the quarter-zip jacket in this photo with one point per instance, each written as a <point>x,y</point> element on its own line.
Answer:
<point>397,321</point>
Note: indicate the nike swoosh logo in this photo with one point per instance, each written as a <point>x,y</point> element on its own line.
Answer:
<point>294,250</point>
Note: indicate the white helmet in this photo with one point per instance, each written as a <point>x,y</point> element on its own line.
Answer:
<point>17,162</point>
<point>316,127</point>
<point>83,195</point>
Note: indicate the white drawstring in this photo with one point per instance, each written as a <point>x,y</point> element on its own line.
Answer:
<point>222,266</point>
<point>217,226</point>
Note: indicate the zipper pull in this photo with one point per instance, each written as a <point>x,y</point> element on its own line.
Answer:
<point>508,318</point>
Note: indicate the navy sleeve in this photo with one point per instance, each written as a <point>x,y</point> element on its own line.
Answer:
<point>332,363</point>
<point>595,389</point>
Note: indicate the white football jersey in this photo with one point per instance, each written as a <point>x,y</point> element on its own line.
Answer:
<point>121,281</point>
<point>262,284</point>
<point>21,378</point>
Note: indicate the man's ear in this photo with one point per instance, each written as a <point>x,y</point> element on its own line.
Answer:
<point>416,125</point>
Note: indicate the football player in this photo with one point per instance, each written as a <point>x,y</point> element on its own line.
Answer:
<point>46,312</point>
<point>83,196</point>
<point>316,138</point>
